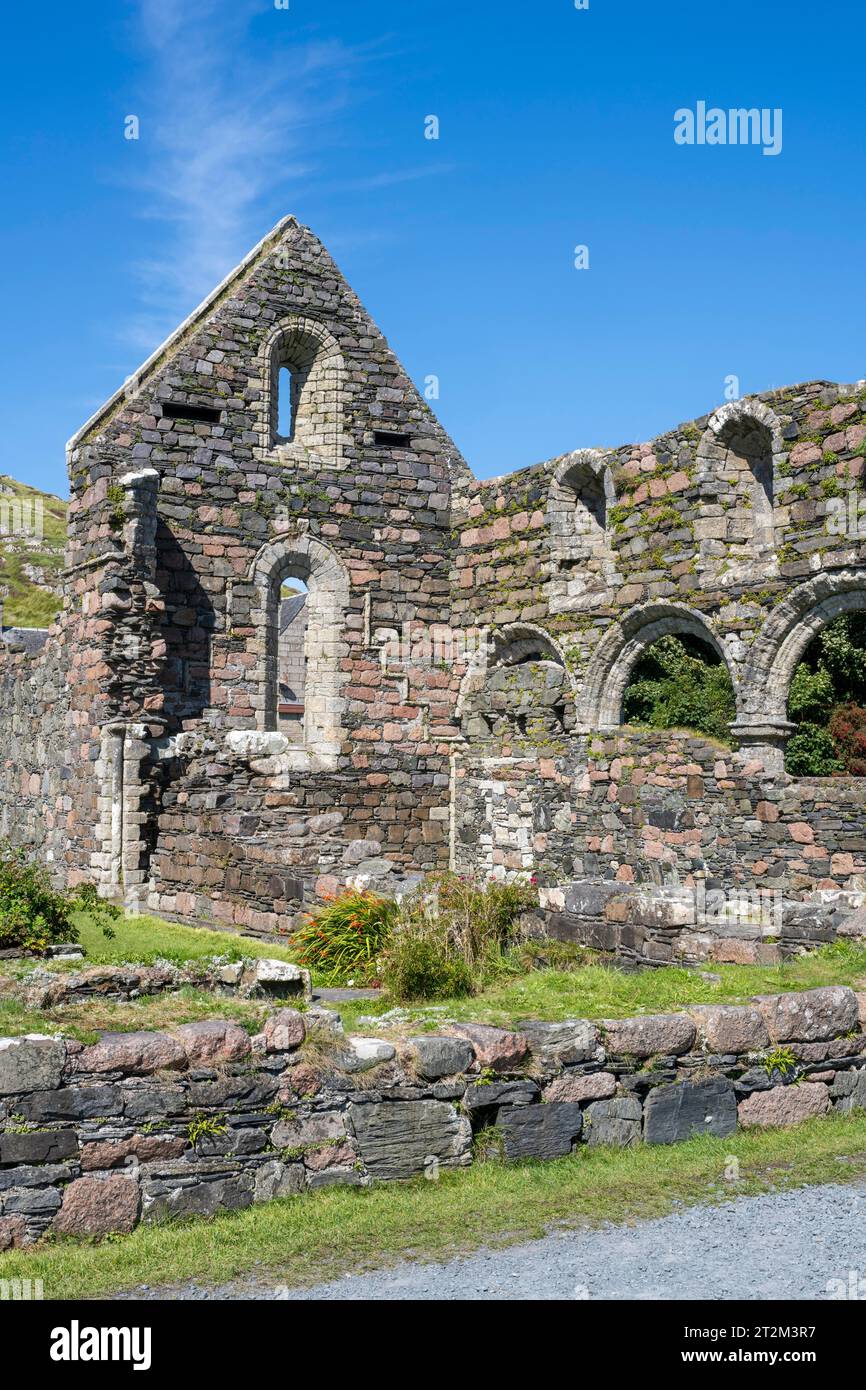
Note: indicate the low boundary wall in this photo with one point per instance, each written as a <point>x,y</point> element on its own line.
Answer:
<point>150,1126</point>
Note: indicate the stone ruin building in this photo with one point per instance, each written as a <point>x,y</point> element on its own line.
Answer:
<point>449,690</point>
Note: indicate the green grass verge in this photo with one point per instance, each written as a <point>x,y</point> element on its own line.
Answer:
<point>143,940</point>
<point>322,1234</point>
<point>601,991</point>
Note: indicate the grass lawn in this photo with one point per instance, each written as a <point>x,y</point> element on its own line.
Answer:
<point>602,991</point>
<point>139,940</point>
<point>322,1234</point>
<point>143,940</point>
<point>591,988</point>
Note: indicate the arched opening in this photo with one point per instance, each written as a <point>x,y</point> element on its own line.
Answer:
<point>524,693</point>
<point>581,495</point>
<point>747,469</point>
<point>617,654</point>
<point>681,681</point>
<point>827,702</point>
<point>292,616</point>
<point>303,392</point>
<point>301,636</point>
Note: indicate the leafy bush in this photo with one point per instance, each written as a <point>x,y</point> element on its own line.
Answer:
<point>420,966</point>
<point>680,682</point>
<point>826,699</point>
<point>343,940</point>
<point>33,914</point>
<point>811,752</point>
<point>848,731</point>
<point>452,933</point>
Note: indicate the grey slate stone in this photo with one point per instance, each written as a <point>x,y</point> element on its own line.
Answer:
<point>540,1131</point>
<point>397,1140</point>
<point>30,1064</point>
<point>673,1113</point>
<point>615,1121</point>
<point>40,1146</point>
<point>487,1097</point>
<point>435,1056</point>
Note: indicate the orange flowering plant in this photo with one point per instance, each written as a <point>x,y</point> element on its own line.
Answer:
<point>343,940</point>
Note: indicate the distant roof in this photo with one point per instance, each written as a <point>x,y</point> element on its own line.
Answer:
<point>290,608</point>
<point>27,639</point>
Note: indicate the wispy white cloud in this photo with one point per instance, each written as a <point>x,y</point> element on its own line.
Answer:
<point>228,115</point>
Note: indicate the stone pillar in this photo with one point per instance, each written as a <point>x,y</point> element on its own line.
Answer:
<point>122,864</point>
<point>763,741</point>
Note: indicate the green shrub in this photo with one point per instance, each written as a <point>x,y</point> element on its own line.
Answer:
<point>33,914</point>
<point>344,940</point>
<point>811,752</point>
<point>421,967</point>
<point>452,933</point>
<point>679,682</point>
<point>826,700</point>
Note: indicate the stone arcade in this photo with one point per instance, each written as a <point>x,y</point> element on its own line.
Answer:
<point>144,743</point>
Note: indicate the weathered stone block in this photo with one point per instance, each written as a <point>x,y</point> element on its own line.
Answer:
<point>31,1063</point>
<point>284,1030</point>
<point>815,1015</point>
<point>490,1095</point>
<point>98,1206</point>
<point>784,1105</point>
<point>564,1044</point>
<point>674,1113</point>
<point>277,1179</point>
<point>540,1131</point>
<point>440,1056</point>
<point>651,1036</point>
<point>39,1146</point>
<point>493,1047</point>
<point>615,1121</point>
<point>577,1086</point>
<point>213,1041</point>
<point>396,1140</point>
<point>133,1054</point>
<point>730,1028</point>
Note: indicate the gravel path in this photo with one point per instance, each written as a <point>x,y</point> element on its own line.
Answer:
<point>781,1246</point>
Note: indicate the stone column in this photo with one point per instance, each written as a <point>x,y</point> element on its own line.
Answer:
<point>763,740</point>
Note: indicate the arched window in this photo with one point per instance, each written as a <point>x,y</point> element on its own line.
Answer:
<point>292,616</point>
<point>524,692</point>
<point>301,621</point>
<point>580,496</point>
<point>737,458</point>
<point>303,393</point>
<point>748,470</point>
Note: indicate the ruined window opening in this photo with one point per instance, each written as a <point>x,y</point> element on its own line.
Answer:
<point>291,668</point>
<point>581,495</point>
<point>680,682</point>
<point>748,468</point>
<point>176,410</point>
<point>287,403</point>
<point>827,702</point>
<point>392,439</point>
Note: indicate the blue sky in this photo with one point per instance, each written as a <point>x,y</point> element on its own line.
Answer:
<point>556,129</point>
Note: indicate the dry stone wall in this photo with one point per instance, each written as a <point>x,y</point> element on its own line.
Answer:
<point>149,1126</point>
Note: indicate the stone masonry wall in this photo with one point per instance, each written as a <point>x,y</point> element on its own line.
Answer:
<point>146,1126</point>
<point>188,512</point>
<point>641,842</point>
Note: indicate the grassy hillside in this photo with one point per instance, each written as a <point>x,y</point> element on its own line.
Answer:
<point>30,565</point>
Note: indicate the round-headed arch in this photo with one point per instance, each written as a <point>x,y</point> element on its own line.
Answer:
<point>787,632</point>
<point>312,353</point>
<point>624,643</point>
<point>327,581</point>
